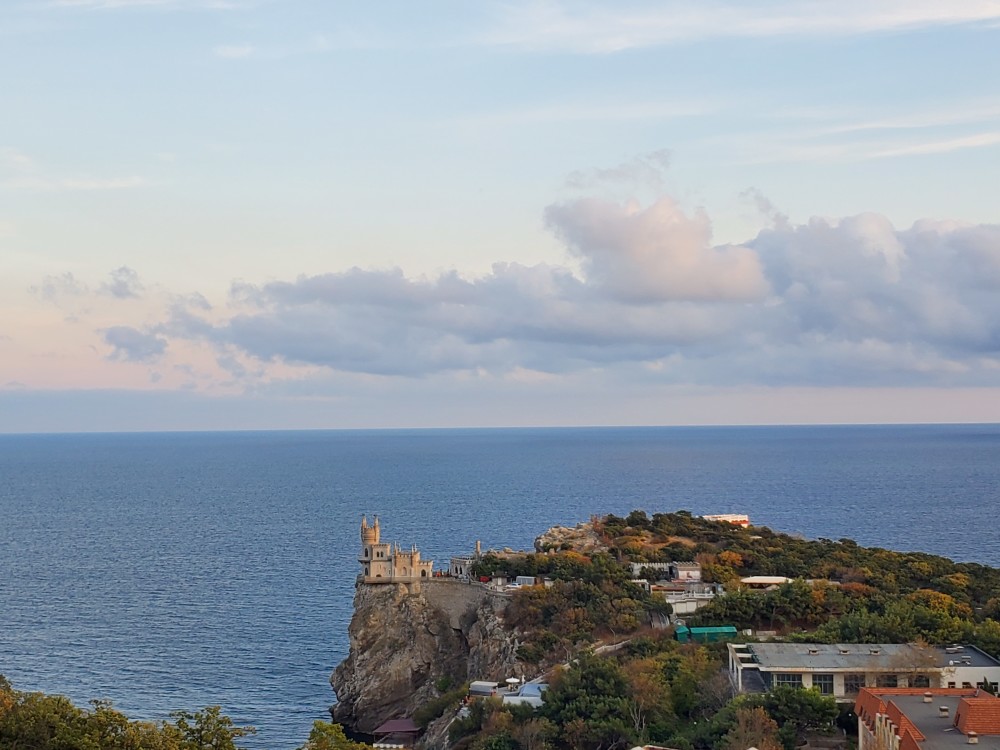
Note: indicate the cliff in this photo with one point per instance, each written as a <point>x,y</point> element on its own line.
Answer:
<point>402,644</point>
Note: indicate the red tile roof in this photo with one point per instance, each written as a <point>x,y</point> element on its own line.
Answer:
<point>980,714</point>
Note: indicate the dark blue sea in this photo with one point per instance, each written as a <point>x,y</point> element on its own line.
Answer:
<point>174,571</point>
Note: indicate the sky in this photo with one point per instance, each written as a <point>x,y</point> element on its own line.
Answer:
<point>275,214</point>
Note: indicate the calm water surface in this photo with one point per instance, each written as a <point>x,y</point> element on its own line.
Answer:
<point>172,571</point>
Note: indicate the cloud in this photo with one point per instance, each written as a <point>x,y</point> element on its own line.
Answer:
<point>124,284</point>
<point>831,302</point>
<point>57,286</point>
<point>979,140</point>
<point>132,345</point>
<point>645,171</point>
<point>589,27</point>
<point>656,253</point>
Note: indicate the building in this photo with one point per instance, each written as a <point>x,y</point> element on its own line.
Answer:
<point>396,734</point>
<point>764,583</point>
<point>685,571</point>
<point>843,669</point>
<point>934,719</point>
<point>387,563</point>
<point>673,571</point>
<point>736,519</point>
<point>714,634</point>
<point>687,597</point>
<point>528,694</point>
<point>461,566</point>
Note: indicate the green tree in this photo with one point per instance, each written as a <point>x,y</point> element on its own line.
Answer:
<point>209,729</point>
<point>327,736</point>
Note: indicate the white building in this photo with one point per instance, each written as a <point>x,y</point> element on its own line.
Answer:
<point>842,669</point>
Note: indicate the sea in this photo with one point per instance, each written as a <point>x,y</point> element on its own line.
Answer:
<point>172,571</point>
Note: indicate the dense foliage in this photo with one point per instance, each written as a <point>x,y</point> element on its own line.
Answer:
<point>35,721</point>
<point>588,597</point>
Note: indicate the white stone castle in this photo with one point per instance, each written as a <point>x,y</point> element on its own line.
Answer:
<point>387,563</point>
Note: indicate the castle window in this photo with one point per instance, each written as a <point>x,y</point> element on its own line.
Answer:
<point>366,570</point>
<point>366,552</point>
<point>423,573</point>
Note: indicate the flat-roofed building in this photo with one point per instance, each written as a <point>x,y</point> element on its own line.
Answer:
<point>843,669</point>
<point>933,719</point>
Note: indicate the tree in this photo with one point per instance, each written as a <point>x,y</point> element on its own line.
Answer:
<point>588,701</point>
<point>327,736</point>
<point>753,728</point>
<point>209,729</point>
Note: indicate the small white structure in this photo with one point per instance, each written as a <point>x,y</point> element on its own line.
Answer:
<point>685,571</point>
<point>675,571</point>
<point>736,519</point>
<point>764,582</point>
<point>461,566</point>
<point>637,567</point>
<point>689,597</point>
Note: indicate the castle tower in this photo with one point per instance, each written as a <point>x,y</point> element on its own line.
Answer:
<point>382,562</point>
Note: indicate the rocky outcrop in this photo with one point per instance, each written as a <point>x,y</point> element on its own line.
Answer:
<point>582,538</point>
<point>403,644</point>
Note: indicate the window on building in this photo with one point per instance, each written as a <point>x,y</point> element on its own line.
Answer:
<point>788,680</point>
<point>951,684</point>
<point>920,681</point>
<point>823,683</point>
<point>887,681</point>
<point>853,683</point>
<point>967,684</point>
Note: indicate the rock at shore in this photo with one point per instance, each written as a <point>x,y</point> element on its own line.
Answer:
<point>582,538</point>
<point>403,644</point>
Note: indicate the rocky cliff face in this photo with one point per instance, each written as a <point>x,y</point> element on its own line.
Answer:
<point>402,644</point>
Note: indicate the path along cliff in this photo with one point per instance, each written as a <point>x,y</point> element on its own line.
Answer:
<point>403,645</point>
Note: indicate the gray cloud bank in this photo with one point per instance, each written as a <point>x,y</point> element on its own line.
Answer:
<point>831,302</point>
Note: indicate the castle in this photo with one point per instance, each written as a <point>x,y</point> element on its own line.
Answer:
<point>387,563</point>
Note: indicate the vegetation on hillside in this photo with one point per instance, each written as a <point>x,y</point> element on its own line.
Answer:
<point>35,721</point>
<point>656,690</point>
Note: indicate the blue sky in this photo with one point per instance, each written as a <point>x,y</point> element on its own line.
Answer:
<point>314,214</point>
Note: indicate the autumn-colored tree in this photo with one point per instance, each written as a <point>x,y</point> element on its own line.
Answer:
<point>753,728</point>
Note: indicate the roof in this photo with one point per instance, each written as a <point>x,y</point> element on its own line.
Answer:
<point>921,726</point>
<point>980,714</point>
<point>532,688</point>
<point>394,726</point>
<point>708,629</point>
<point>888,657</point>
<point>765,580</point>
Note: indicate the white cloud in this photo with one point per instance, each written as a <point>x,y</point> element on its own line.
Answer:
<point>656,253</point>
<point>842,302</point>
<point>598,28</point>
<point>979,140</point>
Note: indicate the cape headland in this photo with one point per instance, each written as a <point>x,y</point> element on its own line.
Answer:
<point>413,634</point>
<point>692,632</point>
